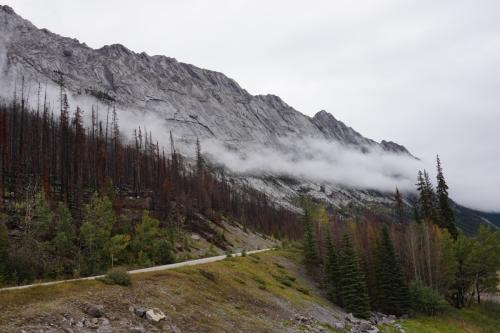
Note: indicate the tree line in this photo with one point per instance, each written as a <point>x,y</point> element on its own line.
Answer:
<point>65,187</point>
<point>415,265</point>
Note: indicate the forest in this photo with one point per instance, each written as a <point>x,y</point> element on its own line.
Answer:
<point>419,263</point>
<point>68,193</point>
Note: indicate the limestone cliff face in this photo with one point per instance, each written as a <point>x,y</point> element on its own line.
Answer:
<point>193,102</point>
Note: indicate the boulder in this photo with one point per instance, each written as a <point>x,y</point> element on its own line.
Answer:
<point>339,326</point>
<point>350,318</point>
<point>155,315</point>
<point>140,312</point>
<point>95,311</point>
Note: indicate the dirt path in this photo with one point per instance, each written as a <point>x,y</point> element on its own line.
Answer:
<point>137,271</point>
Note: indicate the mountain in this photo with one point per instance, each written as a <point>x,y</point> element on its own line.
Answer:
<point>190,102</point>
<point>469,220</point>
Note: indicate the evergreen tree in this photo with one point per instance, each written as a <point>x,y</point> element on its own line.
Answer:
<point>63,243</point>
<point>117,247</point>
<point>446,217</point>
<point>391,288</point>
<point>399,208</point>
<point>199,158</point>
<point>145,243</point>
<point>165,255</point>
<point>331,271</point>
<point>353,288</point>
<point>42,225</point>
<point>310,249</point>
<point>95,232</point>
<point>4,249</point>
<point>426,196</point>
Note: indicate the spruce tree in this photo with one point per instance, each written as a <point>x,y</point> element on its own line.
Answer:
<point>331,271</point>
<point>199,158</point>
<point>399,208</point>
<point>446,217</point>
<point>353,288</point>
<point>426,196</point>
<point>310,249</point>
<point>95,232</point>
<point>391,288</point>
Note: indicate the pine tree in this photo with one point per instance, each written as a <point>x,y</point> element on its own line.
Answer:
<point>426,196</point>
<point>63,243</point>
<point>118,245</point>
<point>353,288</point>
<point>95,232</point>
<point>391,288</point>
<point>199,158</point>
<point>331,271</point>
<point>146,243</point>
<point>310,249</point>
<point>399,208</point>
<point>446,217</point>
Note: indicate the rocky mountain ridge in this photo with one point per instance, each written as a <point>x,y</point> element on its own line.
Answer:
<point>192,102</point>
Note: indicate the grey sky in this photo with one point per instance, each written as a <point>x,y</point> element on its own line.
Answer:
<point>423,73</point>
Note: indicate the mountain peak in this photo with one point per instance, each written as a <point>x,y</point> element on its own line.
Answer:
<point>8,9</point>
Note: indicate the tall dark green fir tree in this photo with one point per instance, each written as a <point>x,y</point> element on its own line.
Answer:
<point>353,288</point>
<point>426,199</point>
<point>399,207</point>
<point>331,271</point>
<point>446,218</point>
<point>391,288</point>
<point>311,259</point>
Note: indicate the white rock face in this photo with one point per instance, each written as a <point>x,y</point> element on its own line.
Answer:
<point>189,101</point>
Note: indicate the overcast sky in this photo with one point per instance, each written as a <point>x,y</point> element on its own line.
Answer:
<point>423,73</point>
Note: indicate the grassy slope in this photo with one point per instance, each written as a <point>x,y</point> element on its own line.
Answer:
<point>477,319</point>
<point>258,293</point>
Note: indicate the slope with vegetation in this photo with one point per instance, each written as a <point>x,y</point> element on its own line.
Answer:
<point>421,265</point>
<point>75,201</point>
<point>266,292</point>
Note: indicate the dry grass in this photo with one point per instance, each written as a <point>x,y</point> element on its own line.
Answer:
<point>253,294</point>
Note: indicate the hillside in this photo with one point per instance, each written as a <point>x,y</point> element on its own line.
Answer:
<point>268,292</point>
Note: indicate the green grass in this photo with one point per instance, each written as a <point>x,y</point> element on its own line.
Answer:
<point>476,319</point>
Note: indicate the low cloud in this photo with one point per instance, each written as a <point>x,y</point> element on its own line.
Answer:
<point>319,161</point>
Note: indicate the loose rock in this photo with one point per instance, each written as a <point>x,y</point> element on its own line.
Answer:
<point>155,315</point>
<point>141,312</point>
<point>96,311</point>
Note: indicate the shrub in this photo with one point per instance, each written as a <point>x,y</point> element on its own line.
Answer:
<point>425,300</point>
<point>284,279</point>
<point>117,275</point>
<point>209,275</point>
<point>260,283</point>
<point>244,253</point>
<point>303,290</point>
